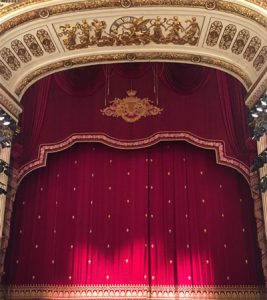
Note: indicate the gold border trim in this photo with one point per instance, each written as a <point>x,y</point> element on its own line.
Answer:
<point>133,292</point>
<point>120,57</point>
<point>216,145</point>
<point>260,3</point>
<point>221,5</point>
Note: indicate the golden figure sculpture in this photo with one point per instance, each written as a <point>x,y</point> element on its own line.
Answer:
<point>70,33</point>
<point>175,28</point>
<point>99,27</point>
<point>130,30</point>
<point>192,31</point>
<point>157,26</point>
<point>84,34</point>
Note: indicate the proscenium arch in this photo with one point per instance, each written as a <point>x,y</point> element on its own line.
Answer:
<point>29,16</point>
<point>34,44</point>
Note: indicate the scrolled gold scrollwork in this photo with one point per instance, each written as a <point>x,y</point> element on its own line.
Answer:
<point>131,108</point>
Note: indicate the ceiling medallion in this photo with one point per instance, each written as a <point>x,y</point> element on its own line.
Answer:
<point>131,108</point>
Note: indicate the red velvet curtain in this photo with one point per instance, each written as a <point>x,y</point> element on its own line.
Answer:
<point>161,215</point>
<point>205,103</point>
<point>29,137</point>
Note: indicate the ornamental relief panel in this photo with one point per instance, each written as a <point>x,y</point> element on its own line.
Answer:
<point>130,30</point>
<point>10,58</point>
<point>260,59</point>
<point>31,42</point>
<point>225,36</point>
<point>214,33</point>
<point>23,50</point>
<point>240,41</point>
<point>252,48</point>
<point>4,71</point>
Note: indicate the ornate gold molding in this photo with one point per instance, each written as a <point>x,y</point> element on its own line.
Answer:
<point>10,105</point>
<point>261,3</point>
<point>220,5</point>
<point>134,292</point>
<point>256,93</point>
<point>120,57</point>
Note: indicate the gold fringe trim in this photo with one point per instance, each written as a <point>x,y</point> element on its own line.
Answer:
<point>133,292</point>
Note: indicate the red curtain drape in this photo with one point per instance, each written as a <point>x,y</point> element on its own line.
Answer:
<point>202,102</point>
<point>165,215</point>
<point>28,139</point>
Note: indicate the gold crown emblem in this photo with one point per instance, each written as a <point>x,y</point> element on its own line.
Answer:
<point>131,93</point>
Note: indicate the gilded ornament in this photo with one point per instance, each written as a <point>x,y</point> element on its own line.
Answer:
<point>10,58</point>
<point>260,59</point>
<point>227,37</point>
<point>210,4</point>
<point>214,33</point>
<point>252,48</point>
<point>224,6</point>
<point>241,41</point>
<point>4,71</point>
<point>131,108</point>
<point>196,59</point>
<point>21,51</point>
<point>33,45</point>
<point>130,56</point>
<point>10,106</point>
<point>126,3</point>
<point>143,292</point>
<point>45,40</point>
<point>256,93</point>
<point>130,30</point>
<point>120,57</point>
<point>44,13</point>
<point>67,63</point>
